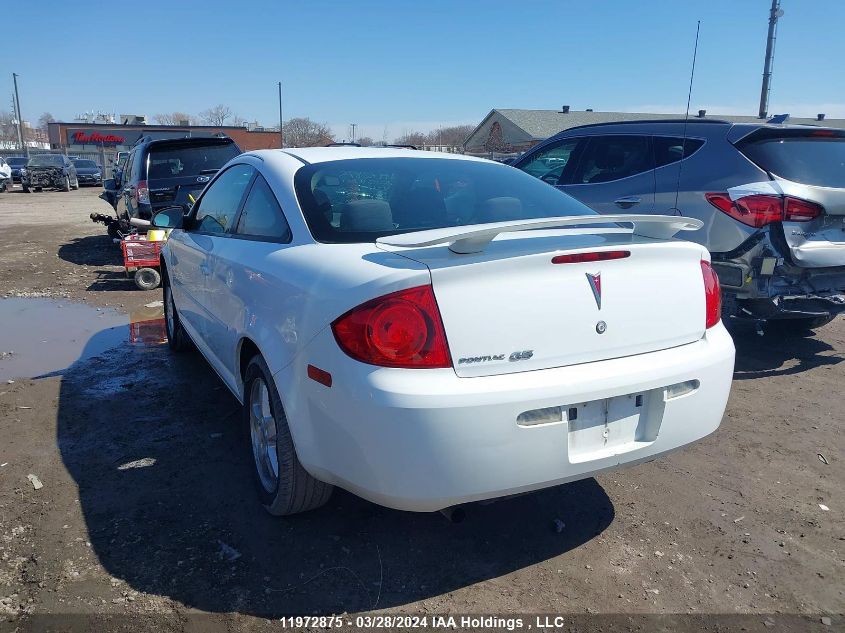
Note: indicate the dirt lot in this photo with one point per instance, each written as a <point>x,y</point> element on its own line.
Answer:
<point>147,508</point>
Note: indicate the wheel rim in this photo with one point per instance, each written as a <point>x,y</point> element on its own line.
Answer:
<point>168,312</point>
<point>262,428</point>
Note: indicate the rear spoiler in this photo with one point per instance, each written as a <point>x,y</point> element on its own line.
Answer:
<point>475,237</point>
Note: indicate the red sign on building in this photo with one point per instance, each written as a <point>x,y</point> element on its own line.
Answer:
<point>95,138</point>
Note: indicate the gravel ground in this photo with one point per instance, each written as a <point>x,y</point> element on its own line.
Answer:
<point>146,519</point>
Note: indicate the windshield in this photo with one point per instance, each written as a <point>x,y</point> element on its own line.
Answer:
<point>16,161</point>
<point>45,160</point>
<point>173,162</point>
<point>85,164</point>
<point>811,159</point>
<point>360,200</point>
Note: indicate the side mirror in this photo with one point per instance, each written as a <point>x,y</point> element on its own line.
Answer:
<point>169,218</point>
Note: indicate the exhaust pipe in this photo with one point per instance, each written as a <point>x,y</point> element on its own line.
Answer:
<point>139,222</point>
<point>454,514</point>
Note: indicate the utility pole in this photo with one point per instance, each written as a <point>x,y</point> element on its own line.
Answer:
<point>774,13</point>
<point>353,126</point>
<point>20,117</point>
<point>281,128</point>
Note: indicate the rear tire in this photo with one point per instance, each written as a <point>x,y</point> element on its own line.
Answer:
<point>283,485</point>
<point>147,278</point>
<point>177,338</point>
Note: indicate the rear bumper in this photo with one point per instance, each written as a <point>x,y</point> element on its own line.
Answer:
<point>423,440</point>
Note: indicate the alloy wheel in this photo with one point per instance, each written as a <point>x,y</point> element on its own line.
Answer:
<point>262,429</point>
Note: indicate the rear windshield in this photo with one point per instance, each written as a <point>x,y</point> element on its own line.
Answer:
<point>85,164</point>
<point>45,160</point>
<point>359,200</point>
<point>810,160</point>
<point>175,161</point>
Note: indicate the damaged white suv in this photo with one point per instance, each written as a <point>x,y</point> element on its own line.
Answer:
<point>772,199</point>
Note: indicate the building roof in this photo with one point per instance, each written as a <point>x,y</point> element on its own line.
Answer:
<point>541,124</point>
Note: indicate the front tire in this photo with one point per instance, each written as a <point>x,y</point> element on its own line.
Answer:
<point>26,189</point>
<point>177,338</point>
<point>283,485</point>
<point>66,184</point>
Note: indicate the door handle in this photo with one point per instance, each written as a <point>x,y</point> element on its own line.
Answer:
<point>628,201</point>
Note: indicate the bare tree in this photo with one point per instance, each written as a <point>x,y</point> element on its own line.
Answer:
<point>216,115</point>
<point>238,121</point>
<point>303,132</point>
<point>44,119</point>
<point>417,139</point>
<point>453,136</point>
<point>175,118</point>
<point>8,129</point>
<point>364,141</point>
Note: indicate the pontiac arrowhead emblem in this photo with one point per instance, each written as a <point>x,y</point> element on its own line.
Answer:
<point>595,284</point>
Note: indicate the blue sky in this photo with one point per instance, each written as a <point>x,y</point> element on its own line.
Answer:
<point>393,65</point>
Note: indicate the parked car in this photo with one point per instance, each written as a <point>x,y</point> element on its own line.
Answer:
<point>16,163</point>
<point>162,173</point>
<point>49,170</point>
<point>772,199</point>
<point>5,175</point>
<point>88,172</point>
<point>421,347</point>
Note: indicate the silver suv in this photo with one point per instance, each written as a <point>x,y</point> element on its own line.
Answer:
<point>772,198</point>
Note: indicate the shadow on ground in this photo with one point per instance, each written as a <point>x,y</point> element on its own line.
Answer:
<point>92,250</point>
<point>153,442</point>
<point>777,354</point>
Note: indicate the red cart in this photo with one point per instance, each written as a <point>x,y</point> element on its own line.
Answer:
<point>141,257</point>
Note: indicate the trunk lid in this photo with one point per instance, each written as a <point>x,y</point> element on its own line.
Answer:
<point>509,309</point>
<point>806,163</point>
<point>176,190</point>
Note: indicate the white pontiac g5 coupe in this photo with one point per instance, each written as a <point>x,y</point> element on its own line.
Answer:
<point>426,330</point>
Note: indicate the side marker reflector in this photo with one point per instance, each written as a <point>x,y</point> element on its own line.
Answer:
<point>321,376</point>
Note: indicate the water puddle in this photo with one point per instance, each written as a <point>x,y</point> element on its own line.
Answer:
<point>41,336</point>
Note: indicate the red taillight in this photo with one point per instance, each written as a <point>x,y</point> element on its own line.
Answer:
<point>596,256</point>
<point>797,210</point>
<point>402,329</point>
<point>142,193</point>
<point>712,295</point>
<point>760,210</point>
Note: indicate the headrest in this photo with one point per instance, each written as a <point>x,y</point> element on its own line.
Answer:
<point>366,216</point>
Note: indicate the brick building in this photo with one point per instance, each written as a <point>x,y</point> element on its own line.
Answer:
<point>95,137</point>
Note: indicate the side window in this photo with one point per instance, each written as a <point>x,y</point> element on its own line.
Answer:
<point>671,149</point>
<point>549,163</point>
<point>610,158</point>
<point>262,216</point>
<point>219,205</point>
<point>126,175</point>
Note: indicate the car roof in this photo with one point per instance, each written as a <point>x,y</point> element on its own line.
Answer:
<point>674,125</point>
<point>325,154</point>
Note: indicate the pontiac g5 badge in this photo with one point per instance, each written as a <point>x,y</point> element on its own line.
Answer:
<point>595,284</point>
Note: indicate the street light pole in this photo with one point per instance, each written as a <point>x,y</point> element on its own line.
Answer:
<point>20,117</point>
<point>281,128</point>
<point>774,13</point>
